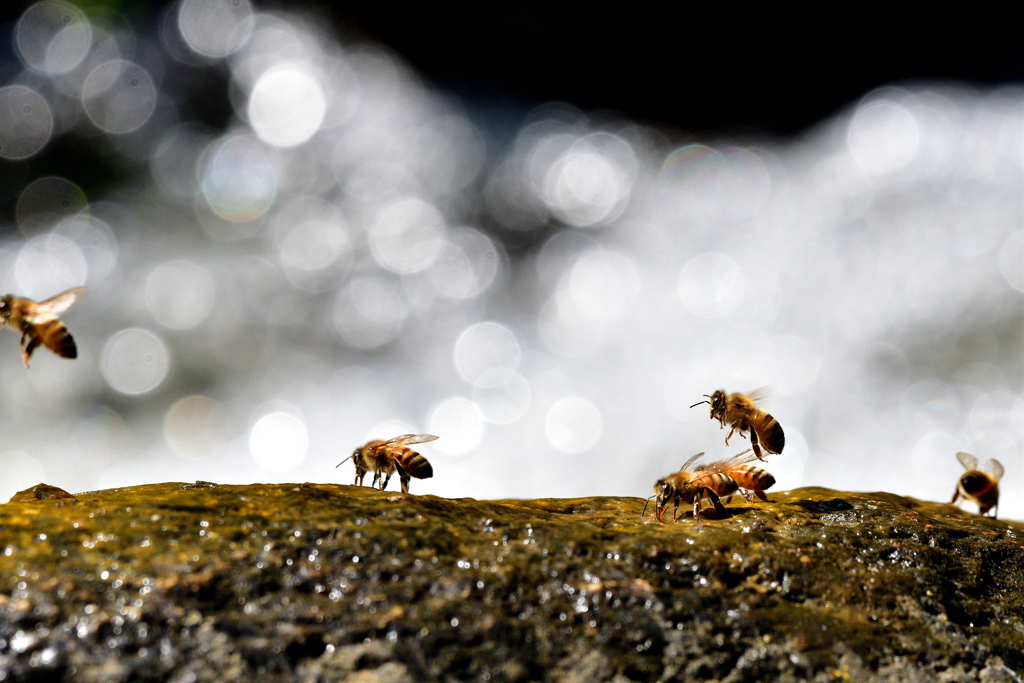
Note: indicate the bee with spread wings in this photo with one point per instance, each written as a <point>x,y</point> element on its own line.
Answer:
<point>979,486</point>
<point>38,322</point>
<point>384,458</point>
<point>695,481</point>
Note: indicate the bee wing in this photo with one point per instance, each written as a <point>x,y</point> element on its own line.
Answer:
<point>51,308</point>
<point>691,461</point>
<point>995,468</point>
<point>759,395</point>
<point>741,458</point>
<point>967,460</point>
<point>406,439</point>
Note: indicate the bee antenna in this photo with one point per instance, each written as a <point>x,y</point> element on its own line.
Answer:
<point>646,504</point>
<point>343,462</point>
<point>699,402</point>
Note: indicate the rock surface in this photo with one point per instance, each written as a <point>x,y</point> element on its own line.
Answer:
<point>197,582</point>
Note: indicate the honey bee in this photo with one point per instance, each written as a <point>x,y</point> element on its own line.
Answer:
<point>751,480</point>
<point>742,414</point>
<point>38,322</point>
<point>384,458</point>
<point>981,487</point>
<point>692,485</point>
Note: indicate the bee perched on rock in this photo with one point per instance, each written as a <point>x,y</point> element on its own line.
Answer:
<point>977,486</point>
<point>384,458</point>
<point>742,414</point>
<point>692,485</point>
<point>38,322</point>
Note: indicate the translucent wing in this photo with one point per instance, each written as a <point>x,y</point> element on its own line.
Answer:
<point>967,460</point>
<point>995,468</point>
<point>741,458</point>
<point>759,395</point>
<point>51,308</point>
<point>691,461</point>
<point>406,439</point>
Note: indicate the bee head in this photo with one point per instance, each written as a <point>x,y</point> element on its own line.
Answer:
<point>5,306</point>
<point>715,400</point>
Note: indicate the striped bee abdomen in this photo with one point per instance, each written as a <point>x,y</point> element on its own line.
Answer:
<point>57,338</point>
<point>414,464</point>
<point>771,435</point>
<point>752,478</point>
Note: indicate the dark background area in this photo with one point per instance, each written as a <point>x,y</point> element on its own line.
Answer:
<point>702,68</point>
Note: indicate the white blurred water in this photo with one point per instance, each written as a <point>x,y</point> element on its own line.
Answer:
<point>332,268</point>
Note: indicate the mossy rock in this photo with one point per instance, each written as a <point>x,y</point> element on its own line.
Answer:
<point>330,583</point>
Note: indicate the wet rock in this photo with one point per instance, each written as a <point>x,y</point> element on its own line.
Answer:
<point>319,583</point>
<point>40,492</point>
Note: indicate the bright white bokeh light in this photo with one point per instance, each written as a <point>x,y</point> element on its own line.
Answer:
<point>26,123</point>
<point>179,294</point>
<point>883,136</point>
<point>119,97</point>
<point>501,395</point>
<point>215,28</point>
<point>369,312</point>
<point>195,427</point>
<point>239,182</point>
<point>591,182</point>
<point>603,284</point>
<point>287,106</point>
<point>466,266</point>
<point>96,242</point>
<point>311,235</point>
<point>459,422</point>
<point>279,441</point>
<point>574,424</point>
<point>135,361</point>
<point>485,346</point>
<point>711,285</point>
<point>52,37</point>
<point>47,265</point>
<point>407,236</point>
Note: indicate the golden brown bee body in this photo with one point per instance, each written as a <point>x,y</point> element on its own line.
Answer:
<point>752,481</point>
<point>38,322</point>
<point>690,486</point>
<point>977,486</point>
<point>742,415</point>
<point>384,458</point>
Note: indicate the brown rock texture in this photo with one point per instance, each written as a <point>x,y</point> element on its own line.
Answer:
<point>310,582</point>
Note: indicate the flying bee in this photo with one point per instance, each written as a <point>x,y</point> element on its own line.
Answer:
<point>384,458</point>
<point>692,485</point>
<point>742,414</point>
<point>751,480</point>
<point>977,486</point>
<point>38,322</point>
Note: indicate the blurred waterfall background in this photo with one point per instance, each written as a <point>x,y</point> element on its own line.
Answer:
<point>352,253</point>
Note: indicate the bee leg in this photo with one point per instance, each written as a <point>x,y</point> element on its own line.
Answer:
<point>729,499</point>
<point>762,495</point>
<point>675,509</point>
<point>713,497</point>
<point>696,506</point>
<point>748,495</point>
<point>729,435</point>
<point>956,494</point>
<point>404,481</point>
<point>755,445</point>
<point>26,351</point>
<point>384,481</point>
